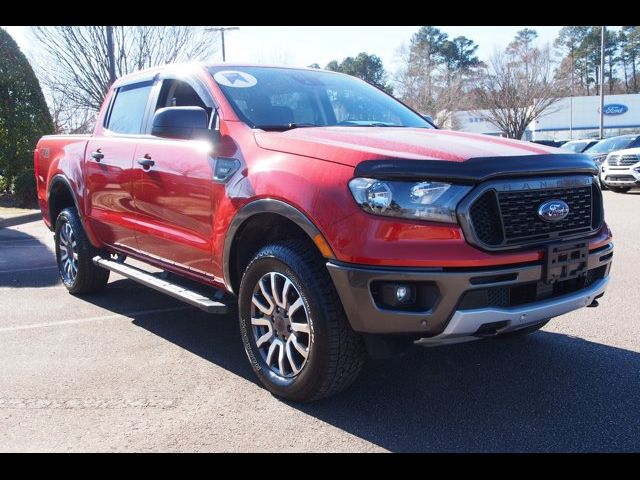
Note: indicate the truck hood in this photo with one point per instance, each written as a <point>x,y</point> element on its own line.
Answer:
<point>351,145</point>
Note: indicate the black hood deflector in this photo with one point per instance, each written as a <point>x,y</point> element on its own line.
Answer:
<point>476,170</point>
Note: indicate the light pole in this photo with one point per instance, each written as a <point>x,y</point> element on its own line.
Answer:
<point>222,30</point>
<point>602,84</point>
<point>111,56</point>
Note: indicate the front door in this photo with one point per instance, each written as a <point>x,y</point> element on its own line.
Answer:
<point>173,197</point>
<point>173,189</point>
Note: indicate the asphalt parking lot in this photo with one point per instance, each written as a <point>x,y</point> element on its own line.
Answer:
<point>132,369</point>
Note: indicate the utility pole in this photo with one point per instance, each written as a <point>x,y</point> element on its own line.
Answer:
<point>111,55</point>
<point>602,84</point>
<point>222,30</point>
<point>571,100</point>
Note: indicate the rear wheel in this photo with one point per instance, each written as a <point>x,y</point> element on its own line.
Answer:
<point>293,327</point>
<point>620,189</point>
<point>74,254</point>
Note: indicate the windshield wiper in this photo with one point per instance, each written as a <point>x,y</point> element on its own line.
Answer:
<point>288,126</point>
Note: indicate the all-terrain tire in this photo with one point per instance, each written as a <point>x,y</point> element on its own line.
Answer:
<point>336,353</point>
<point>70,239</point>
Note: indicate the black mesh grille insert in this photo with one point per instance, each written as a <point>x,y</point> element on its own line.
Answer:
<point>520,211</point>
<point>507,218</point>
<point>486,219</point>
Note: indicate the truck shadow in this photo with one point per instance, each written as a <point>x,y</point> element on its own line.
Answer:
<point>545,392</point>
<point>24,260</point>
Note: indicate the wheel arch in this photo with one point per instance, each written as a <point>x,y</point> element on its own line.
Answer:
<point>60,195</point>
<point>254,218</point>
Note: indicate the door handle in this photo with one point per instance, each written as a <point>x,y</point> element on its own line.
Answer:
<point>97,155</point>
<point>146,162</point>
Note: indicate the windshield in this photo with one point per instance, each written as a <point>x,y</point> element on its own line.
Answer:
<point>576,147</point>
<point>281,98</point>
<point>611,144</point>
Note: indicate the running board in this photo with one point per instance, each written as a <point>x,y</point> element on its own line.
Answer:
<point>145,278</point>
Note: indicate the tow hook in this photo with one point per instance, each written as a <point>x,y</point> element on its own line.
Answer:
<point>595,302</point>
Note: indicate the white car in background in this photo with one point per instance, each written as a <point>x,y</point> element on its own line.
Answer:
<point>620,172</point>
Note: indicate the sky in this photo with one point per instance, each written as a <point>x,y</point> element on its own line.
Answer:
<point>302,46</point>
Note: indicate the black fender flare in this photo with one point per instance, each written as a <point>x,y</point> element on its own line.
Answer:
<point>264,205</point>
<point>56,180</point>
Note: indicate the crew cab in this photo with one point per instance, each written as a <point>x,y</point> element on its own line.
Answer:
<point>336,219</point>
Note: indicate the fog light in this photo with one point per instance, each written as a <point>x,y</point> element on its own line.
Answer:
<point>397,294</point>
<point>403,293</point>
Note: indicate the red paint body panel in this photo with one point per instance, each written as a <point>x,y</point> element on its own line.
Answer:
<point>176,217</point>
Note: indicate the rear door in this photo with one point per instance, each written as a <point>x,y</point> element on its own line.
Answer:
<point>109,170</point>
<point>174,196</point>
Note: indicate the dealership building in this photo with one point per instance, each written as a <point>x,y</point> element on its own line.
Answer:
<point>569,118</point>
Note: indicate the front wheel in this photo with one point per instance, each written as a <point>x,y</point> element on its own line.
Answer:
<point>293,327</point>
<point>74,254</point>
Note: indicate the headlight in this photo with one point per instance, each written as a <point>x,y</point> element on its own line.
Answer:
<point>427,200</point>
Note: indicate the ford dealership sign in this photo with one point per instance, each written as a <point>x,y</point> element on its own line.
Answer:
<point>615,109</point>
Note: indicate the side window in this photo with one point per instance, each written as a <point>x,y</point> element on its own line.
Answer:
<point>127,111</point>
<point>176,93</point>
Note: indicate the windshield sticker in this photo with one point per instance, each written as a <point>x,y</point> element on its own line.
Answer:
<point>233,78</point>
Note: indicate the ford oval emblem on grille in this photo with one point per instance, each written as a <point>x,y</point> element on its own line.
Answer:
<point>553,210</point>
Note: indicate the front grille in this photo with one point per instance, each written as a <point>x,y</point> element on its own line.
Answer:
<point>501,218</point>
<point>626,160</point>
<point>487,219</point>
<point>520,212</point>
<point>621,178</point>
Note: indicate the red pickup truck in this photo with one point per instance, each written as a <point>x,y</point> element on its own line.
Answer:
<point>337,219</point>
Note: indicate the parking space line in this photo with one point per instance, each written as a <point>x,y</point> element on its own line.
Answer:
<point>94,319</point>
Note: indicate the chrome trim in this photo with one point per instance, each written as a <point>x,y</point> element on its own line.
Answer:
<point>464,207</point>
<point>465,323</point>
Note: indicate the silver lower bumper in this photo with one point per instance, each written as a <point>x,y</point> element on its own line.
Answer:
<point>465,323</point>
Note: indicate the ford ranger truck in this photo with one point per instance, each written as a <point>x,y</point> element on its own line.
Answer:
<point>336,221</point>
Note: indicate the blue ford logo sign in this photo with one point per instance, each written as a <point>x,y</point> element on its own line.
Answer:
<point>553,211</point>
<point>615,109</point>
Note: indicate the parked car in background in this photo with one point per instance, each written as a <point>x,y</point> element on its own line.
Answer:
<point>620,172</point>
<point>604,147</point>
<point>579,146</point>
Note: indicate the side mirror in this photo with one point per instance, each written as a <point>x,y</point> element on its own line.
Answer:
<point>187,123</point>
<point>428,118</point>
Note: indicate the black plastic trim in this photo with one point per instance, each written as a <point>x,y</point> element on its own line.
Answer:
<point>476,170</point>
<point>57,179</point>
<point>265,205</point>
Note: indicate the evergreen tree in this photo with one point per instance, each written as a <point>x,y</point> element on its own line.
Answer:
<point>24,116</point>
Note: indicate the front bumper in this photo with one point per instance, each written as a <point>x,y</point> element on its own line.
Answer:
<point>449,316</point>
<point>621,177</point>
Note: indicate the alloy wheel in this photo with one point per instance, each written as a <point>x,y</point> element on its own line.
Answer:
<point>280,324</point>
<point>68,263</point>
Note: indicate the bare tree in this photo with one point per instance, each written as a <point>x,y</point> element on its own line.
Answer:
<point>517,87</point>
<point>76,66</point>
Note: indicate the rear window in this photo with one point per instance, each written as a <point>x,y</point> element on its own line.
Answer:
<point>127,111</point>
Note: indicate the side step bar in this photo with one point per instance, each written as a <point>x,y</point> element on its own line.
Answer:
<point>189,296</point>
